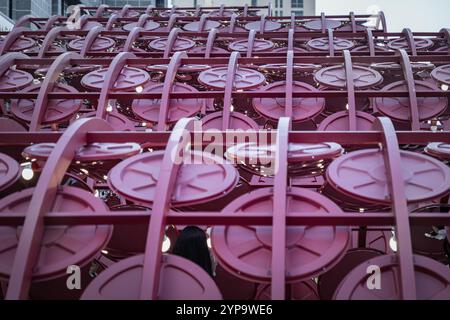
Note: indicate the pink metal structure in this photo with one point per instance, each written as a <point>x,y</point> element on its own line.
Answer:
<point>91,119</point>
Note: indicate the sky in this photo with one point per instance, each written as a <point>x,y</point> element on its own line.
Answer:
<point>418,15</point>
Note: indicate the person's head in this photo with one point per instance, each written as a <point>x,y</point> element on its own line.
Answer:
<point>191,244</point>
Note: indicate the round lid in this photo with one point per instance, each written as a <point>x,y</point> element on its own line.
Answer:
<point>306,290</point>
<point>328,282</point>
<point>399,108</point>
<point>180,44</point>
<point>55,111</point>
<point>238,120</point>
<point>180,279</point>
<point>322,44</point>
<point>168,13</point>
<point>244,78</point>
<point>317,24</point>
<point>209,24</point>
<point>302,108</point>
<point>21,44</point>
<point>402,43</point>
<point>99,44</point>
<point>91,25</point>
<point>442,74</point>
<point>228,283</point>
<point>339,121</point>
<point>107,151</point>
<point>392,66</point>
<point>201,177</point>
<point>38,151</point>
<point>298,67</point>
<point>129,78</point>
<point>297,152</point>
<point>285,50</point>
<point>14,79</point>
<point>9,171</point>
<point>117,121</point>
<point>362,174</point>
<point>148,109</point>
<point>258,45</point>
<point>432,280</point>
<point>61,246</point>
<point>216,13</point>
<point>439,150</point>
<point>7,125</point>
<point>336,77</point>
<point>310,250</point>
<point>186,68</point>
<point>149,25</point>
<point>268,26</point>
<point>202,49</point>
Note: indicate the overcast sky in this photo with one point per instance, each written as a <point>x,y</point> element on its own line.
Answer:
<point>419,15</point>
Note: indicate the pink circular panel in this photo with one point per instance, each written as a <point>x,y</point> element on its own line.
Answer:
<point>442,74</point>
<point>268,26</point>
<point>339,121</point>
<point>306,290</point>
<point>21,44</point>
<point>432,280</point>
<point>258,45</point>
<point>13,80</point>
<point>9,171</point>
<point>205,177</point>
<point>8,125</point>
<point>61,246</point>
<point>328,282</point>
<point>149,109</point>
<point>399,108</point>
<point>217,13</point>
<point>209,24</point>
<point>285,50</point>
<point>117,121</point>
<point>336,77</point>
<point>55,110</point>
<point>168,13</point>
<point>402,43</point>
<point>322,44</point>
<point>180,44</point>
<point>298,67</point>
<point>439,150</point>
<point>129,78</point>
<point>38,151</point>
<point>180,279</point>
<point>202,49</point>
<point>107,151</point>
<point>310,251</point>
<point>362,174</point>
<point>302,108</point>
<point>244,78</point>
<point>148,26</point>
<point>99,44</point>
<point>186,68</point>
<point>317,24</point>
<point>238,120</point>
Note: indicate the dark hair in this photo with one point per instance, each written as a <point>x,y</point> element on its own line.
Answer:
<point>191,244</point>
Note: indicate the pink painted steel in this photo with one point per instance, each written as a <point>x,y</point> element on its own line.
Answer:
<point>439,150</point>
<point>306,290</point>
<point>340,121</point>
<point>144,23</point>
<point>442,74</point>
<point>15,41</point>
<point>335,77</point>
<point>245,78</point>
<point>9,171</point>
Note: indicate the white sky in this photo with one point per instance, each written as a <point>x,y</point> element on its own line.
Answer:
<point>419,15</point>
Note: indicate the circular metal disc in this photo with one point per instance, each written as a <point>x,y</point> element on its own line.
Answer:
<point>298,67</point>
<point>362,174</point>
<point>129,78</point>
<point>91,25</point>
<point>202,179</point>
<point>180,279</point>
<point>285,50</point>
<point>322,44</point>
<point>228,283</point>
<point>310,251</point>
<point>402,43</point>
<point>202,49</point>
<point>99,44</point>
<point>9,171</point>
<point>244,78</point>
<point>21,44</point>
<point>55,110</point>
<point>186,68</point>
<point>168,13</point>
<point>38,151</point>
<point>117,121</point>
<point>399,108</point>
<point>269,26</point>
<point>148,26</point>
<point>317,24</point>
<point>302,108</point>
<point>149,109</point>
<point>61,246</point>
<point>180,44</point>
<point>335,77</point>
<point>216,13</point>
<point>107,151</point>
<point>432,278</point>
<point>328,282</point>
<point>442,74</point>
<point>238,120</point>
<point>258,45</point>
<point>209,24</point>
<point>306,290</point>
<point>339,121</point>
<point>14,79</point>
<point>8,125</point>
<point>439,150</point>
<point>297,152</point>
